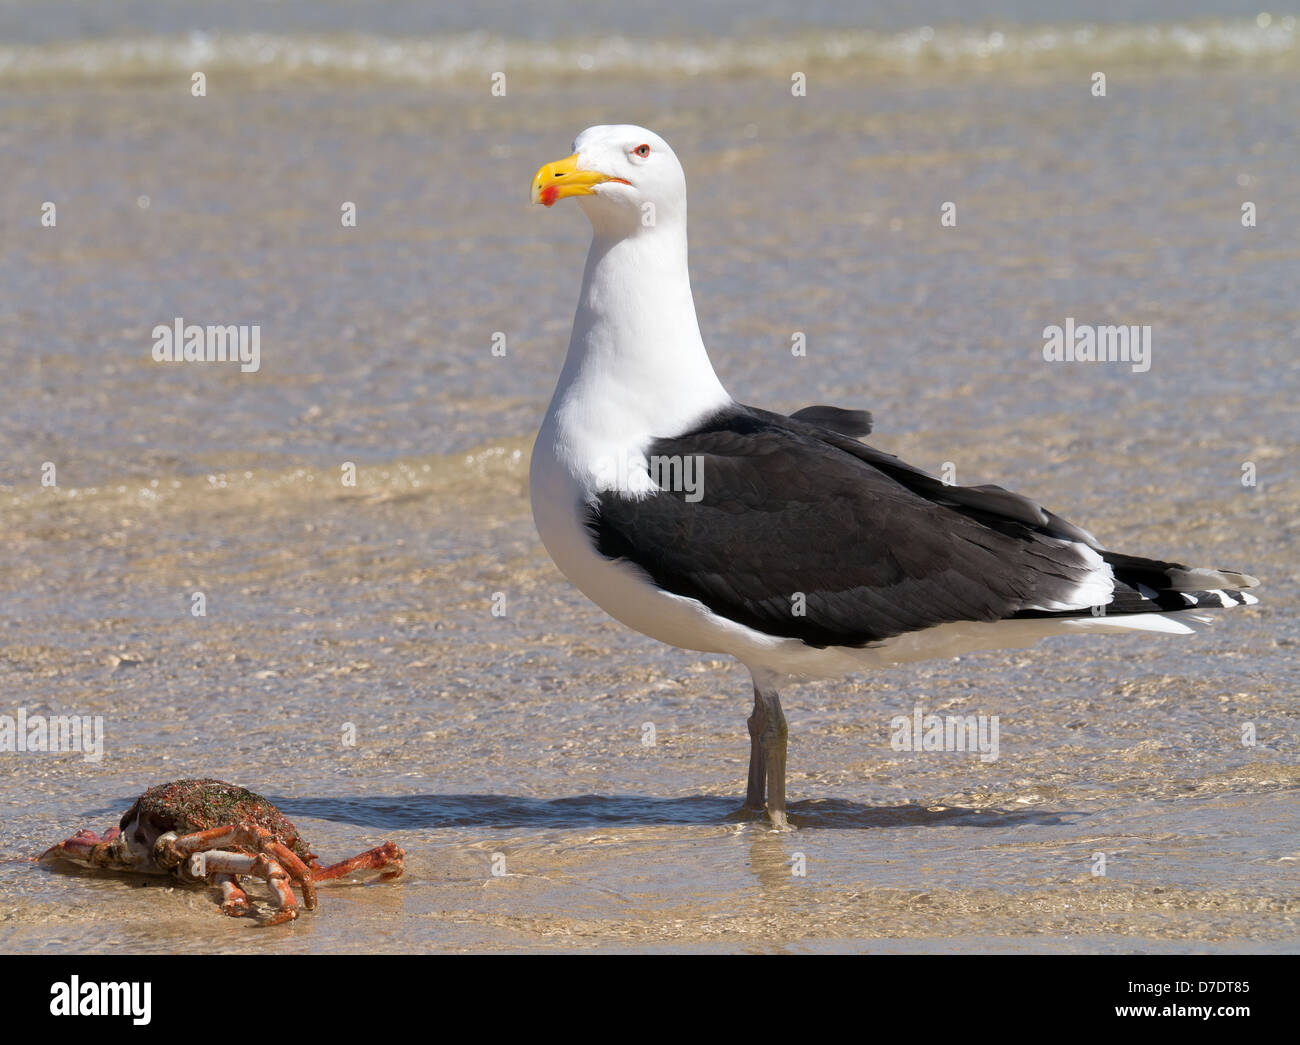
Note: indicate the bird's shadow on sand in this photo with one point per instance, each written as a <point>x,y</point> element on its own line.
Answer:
<point>430,812</point>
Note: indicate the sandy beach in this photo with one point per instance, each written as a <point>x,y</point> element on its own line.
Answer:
<point>330,605</point>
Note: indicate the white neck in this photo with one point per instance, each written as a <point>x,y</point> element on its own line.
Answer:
<point>636,366</point>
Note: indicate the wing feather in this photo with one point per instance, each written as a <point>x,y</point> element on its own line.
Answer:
<point>804,532</point>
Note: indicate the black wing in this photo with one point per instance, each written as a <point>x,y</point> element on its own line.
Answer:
<point>794,514</point>
<point>853,423</point>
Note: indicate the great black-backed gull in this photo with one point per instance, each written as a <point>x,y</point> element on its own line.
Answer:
<point>785,542</point>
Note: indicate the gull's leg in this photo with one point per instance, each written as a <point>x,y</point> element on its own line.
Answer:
<point>773,742</point>
<point>756,790</point>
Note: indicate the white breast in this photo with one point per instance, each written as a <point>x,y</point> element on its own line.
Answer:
<point>560,497</point>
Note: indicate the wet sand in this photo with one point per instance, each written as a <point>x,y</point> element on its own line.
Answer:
<point>522,735</point>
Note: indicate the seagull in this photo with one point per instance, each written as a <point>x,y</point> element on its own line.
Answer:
<point>783,541</point>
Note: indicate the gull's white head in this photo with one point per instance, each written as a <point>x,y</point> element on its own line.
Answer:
<point>626,179</point>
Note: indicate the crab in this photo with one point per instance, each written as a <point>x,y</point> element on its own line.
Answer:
<point>214,832</point>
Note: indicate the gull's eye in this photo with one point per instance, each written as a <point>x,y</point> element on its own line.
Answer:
<point>642,150</point>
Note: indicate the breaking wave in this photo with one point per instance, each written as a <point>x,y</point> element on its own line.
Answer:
<point>448,59</point>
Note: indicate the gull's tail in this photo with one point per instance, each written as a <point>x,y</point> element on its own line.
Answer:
<point>1149,586</point>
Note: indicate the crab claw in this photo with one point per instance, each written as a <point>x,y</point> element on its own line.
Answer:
<point>85,848</point>
<point>397,861</point>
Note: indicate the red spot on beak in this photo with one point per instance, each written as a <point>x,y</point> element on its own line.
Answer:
<point>548,195</point>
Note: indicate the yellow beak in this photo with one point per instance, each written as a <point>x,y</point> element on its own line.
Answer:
<point>561,179</point>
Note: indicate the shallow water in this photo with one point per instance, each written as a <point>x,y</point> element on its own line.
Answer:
<point>522,735</point>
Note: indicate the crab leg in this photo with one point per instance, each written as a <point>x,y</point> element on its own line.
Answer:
<point>263,865</point>
<point>171,849</point>
<point>234,901</point>
<point>174,850</point>
<point>383,856</point>
<point>298,870</point>
<point>85,848</point>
